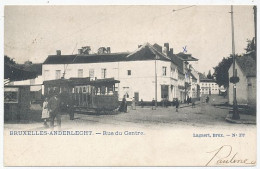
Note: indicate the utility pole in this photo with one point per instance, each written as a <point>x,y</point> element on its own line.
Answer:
<point>155,81</point>
<point>255,22</point>
<point>235,109</point>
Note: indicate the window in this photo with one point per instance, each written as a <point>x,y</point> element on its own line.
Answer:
<point>11,95</point>
<point>164,91</point>
<point>164,69</point>
<point>57,74</point>
<point>103,73</point>
<point>91,73</point>
<point>46,74</point>
<point>129,72</point>
<point>80,72</point>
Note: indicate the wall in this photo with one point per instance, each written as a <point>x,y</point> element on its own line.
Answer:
<point>241,87</point>
<point>141,80</point>
<point>251,91</point>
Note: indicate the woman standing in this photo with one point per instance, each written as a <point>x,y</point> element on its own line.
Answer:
<point>45,112</point>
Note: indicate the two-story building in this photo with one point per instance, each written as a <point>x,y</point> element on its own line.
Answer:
<point>144,74</point>
<point>208,87</point>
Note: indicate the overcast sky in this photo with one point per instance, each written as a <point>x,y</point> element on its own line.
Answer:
<point>34,32</point>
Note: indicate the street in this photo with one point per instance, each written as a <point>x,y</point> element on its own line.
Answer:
<point>203,115</point>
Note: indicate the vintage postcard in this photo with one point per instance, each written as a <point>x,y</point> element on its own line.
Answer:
<point>130,85</point>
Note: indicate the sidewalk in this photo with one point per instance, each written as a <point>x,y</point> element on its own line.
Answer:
<point>244,119</point>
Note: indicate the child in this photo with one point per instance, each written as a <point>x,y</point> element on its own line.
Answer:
<point>45,112</point>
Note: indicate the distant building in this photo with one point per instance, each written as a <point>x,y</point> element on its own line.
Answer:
<point>208,87</point>
<point>246,87</point>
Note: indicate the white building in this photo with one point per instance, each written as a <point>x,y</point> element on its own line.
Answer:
<point>142,73</point>
<point>246,87</point>
<point>208,87</point>
<point>137,71</point>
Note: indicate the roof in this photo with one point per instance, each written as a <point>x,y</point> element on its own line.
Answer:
<point>247,65</point>
<point>186,57</point>
<point>147,52</point>
<point>92,58</point>
<point>177,61</point>
<point>208,80</point>
<point>193,77</point>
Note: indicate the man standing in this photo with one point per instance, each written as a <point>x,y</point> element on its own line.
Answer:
<point>54,107</point>
<point>177,105</point>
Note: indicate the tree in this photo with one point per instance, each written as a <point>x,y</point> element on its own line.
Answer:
<point>251,48</point>
<point>221,71</point>
<point>250,45</point>
<point>9,61</point>
<point>209,76</point>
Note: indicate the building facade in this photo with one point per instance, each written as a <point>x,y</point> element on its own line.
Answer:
<point>146,73</point>
<point>246,87</point>
<point>208,87</point>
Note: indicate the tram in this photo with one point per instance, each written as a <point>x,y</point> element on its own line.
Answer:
<point>84,95</point>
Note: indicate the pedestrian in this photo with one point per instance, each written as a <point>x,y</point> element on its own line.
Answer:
<point>45,112</point>
<point>207,99</point>
<point>177,105</point>
<point>142,103</point>
<point>153,104</point>
<point>54,108</point>
<point>133,103</point>
<point>188,100</point>
<point>193,103</point>
<point>70,105</point>
<point>123,106</point>
<point>166,102</point>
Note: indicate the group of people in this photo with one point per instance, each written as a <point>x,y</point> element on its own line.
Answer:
<point>51,110</point>
<point>52,107</point>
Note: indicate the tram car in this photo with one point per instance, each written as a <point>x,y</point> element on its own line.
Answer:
<point>84,95</point>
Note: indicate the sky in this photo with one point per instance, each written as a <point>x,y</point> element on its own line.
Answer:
<point>34,32</point>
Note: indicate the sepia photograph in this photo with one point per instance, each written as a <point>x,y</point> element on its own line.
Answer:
<point>130,85</point>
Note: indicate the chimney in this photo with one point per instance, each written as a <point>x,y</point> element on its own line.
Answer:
<point>108,50</point>
<point>80,51</point>
<point>166,45</point>
<point>171,51</point>
<point>139,46</point>
<point>58,52</point>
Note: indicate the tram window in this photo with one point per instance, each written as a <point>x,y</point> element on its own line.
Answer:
<point>84,89</point>
<point>110,90</point>
<point>103,90</point>
<point>80,89</point>
<point>76,90</point>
